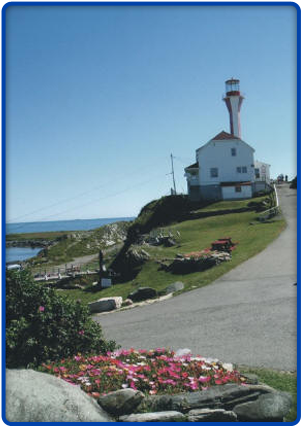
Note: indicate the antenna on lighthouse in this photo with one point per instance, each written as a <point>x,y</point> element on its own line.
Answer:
<point>233,100</point>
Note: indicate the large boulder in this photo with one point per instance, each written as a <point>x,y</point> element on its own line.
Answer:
<point>39,397</point>
<point>121,402</point>
<point>270,407</point>
<point>216,397</point>
<point>106,304</point>
<point>142,293</point>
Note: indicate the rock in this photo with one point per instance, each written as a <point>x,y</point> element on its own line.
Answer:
<point>211,415</point>
<point>271,407</point>
<point>136,257</point>
<point>168,242</point>
<point>216,397</point>
<point>142,293</point>
<point>106,304</point>
<point>39,397</point>
<point>251,378</point>
<point>153,417</point>
<point>197,262</point>
<point>182,352</point>
<point>127,302</point>
<point>121,402</point>
<point>176,286</point>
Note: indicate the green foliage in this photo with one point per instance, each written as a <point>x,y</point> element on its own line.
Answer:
<point>160,212</point>
<point>41,325</point>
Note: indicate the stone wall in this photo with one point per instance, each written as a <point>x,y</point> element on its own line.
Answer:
<point>37,397</point>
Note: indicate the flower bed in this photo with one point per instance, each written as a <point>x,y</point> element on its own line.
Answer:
<point>152,372</point>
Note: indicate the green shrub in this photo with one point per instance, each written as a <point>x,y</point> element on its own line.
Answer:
<point>41,325</point>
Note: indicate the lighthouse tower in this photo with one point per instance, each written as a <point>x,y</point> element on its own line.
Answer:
<point>233,100</point>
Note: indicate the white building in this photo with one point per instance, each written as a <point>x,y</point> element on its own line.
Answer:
<point>225,167</point>
<point>262,176</point>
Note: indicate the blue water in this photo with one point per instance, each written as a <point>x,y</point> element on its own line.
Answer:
<point>14,254</point>
<point>61,225</point>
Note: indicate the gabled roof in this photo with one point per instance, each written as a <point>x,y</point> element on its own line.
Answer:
<point>194,165</point>
<point>225,136</point>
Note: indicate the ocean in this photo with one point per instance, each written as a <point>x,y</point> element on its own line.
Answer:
<point>13,254</point>
<point>61,225</point>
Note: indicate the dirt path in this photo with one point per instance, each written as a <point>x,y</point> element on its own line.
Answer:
<point>85,259</point>
<point>77,260</point>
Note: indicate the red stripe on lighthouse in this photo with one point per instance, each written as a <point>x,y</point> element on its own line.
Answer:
<point>228,104</point>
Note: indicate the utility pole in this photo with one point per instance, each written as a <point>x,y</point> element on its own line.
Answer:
<point>172,172</point>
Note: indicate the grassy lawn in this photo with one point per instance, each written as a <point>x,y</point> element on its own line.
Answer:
<point>252,237</point>
<point>231,205</point>
<point>282,381</point>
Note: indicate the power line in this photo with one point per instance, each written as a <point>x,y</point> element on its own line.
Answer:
<point>63,201</point>
<point>93,201</point>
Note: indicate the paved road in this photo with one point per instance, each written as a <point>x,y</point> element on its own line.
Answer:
<point>247,316</point>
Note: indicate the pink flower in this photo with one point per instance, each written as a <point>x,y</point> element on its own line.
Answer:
<point>204,379</point>
<point>41,308</point>
<point>81,332</point>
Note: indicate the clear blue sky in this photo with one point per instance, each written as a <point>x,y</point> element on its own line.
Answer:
<point>99,96</point>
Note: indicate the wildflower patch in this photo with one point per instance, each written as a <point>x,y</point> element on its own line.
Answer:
<point>157,371</point>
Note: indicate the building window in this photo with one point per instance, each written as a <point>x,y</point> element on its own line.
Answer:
<point>257,172</point>
<point>233,152</point>
<point>238,169</point>
<point>244,169</point>
<point>238,189</point>
<point>214,172</point>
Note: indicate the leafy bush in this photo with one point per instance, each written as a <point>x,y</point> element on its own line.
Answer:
<point>41,325</point>
<point>161,212</point>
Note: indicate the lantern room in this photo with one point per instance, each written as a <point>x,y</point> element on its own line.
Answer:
<point>232,87</point>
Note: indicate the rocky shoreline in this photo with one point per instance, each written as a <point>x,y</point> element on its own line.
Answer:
<point>30,243</point>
